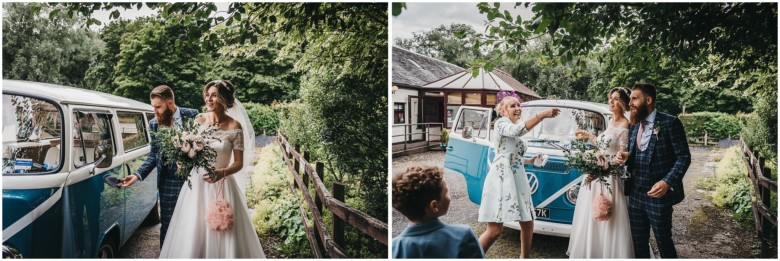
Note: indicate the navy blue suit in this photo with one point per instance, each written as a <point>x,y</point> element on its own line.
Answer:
<point>168,183</point>
<point>666,158</point>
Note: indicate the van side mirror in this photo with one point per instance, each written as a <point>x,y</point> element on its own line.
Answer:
<point>468,132</point>
<point>105,156</point>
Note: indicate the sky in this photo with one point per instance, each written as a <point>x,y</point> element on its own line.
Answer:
<point>132,14</point>
<point>426,16</point>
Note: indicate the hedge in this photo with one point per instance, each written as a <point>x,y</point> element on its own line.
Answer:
<point>716,124</point>
<point>264,118</point>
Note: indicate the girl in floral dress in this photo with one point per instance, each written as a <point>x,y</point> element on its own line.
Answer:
<point>506,195</point>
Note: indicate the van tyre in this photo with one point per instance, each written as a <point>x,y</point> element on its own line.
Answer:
<point>107,249</point>
<point>154,215</point>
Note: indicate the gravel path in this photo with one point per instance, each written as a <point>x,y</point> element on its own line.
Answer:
<point>700,229</point>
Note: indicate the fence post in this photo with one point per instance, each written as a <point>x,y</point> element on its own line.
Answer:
<point>296,162</point>
<point>338,224</point>
<point>305,175</point>
<point>320,167</point>
<point>705,138</point>
<point>766,225</point>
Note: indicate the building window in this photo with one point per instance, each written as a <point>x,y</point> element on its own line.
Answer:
<point>455,98</point>
<point>490,99</point>
<point>399,113</point>
<point>474,98</point>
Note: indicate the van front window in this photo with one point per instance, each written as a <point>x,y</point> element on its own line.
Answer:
<point>558,132</point>
<point>31,135</point>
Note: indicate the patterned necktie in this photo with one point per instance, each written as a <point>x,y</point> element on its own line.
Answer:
<point>640,134</point>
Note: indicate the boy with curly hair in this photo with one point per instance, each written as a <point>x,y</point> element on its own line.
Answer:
<point>421,195</point>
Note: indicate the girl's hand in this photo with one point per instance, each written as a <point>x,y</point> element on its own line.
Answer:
<point>533,159</point>
<point>582,135</point>
<point>551,113</point>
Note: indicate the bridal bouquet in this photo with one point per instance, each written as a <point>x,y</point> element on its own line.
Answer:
<point>188,148</point>
<point>592,161</point>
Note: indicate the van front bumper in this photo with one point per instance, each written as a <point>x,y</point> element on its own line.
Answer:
<point>545,228</point>
<point>10,252</point>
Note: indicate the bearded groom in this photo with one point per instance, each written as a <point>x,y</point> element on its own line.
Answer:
<point>658,158</point>
<point>166,113</point>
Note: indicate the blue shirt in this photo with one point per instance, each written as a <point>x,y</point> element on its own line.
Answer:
<point>435,239</point>
<point>648,130</point>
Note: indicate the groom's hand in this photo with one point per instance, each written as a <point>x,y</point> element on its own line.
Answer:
<point>129,180</point>
<point>659,189</point>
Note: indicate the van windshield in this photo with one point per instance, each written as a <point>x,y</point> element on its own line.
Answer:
<point>558,132</point>
<point>31,135</point>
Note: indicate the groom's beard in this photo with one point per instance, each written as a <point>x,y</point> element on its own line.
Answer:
<point>638,114</point>
<point>166,117</point>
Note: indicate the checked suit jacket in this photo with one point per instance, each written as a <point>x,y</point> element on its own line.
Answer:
<point>669,159</point>
<point>154,160</point>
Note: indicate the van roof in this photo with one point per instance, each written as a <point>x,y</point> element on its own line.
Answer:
<point>71,95</point>
<point>593,106</point>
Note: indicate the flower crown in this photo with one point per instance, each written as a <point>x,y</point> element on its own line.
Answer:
<point>503,94</point>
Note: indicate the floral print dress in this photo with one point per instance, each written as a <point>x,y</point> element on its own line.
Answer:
<point>506,195</point>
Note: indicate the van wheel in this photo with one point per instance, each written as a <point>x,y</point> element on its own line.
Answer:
<point>107,249</point>
<point>154,215</point>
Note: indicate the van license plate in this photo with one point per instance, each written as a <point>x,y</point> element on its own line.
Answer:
<point>543,212</point>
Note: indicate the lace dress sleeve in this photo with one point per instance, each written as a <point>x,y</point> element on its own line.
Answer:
<point>238,140</point>
<point>623,140</point>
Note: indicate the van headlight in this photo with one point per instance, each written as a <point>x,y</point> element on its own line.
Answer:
<point>571,195</point>
<point>10,252</point>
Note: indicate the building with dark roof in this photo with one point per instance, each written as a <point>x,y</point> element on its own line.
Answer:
<point>427,93</point>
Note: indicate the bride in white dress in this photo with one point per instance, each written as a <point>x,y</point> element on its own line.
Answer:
<point>611,238</point>
<point>189,235</point>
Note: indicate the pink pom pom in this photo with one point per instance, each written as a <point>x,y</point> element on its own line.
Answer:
<point>602,208</point>
<point>220,216</point>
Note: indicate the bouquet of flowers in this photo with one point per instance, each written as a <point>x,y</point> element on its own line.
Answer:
<point>188,148</point>
<point>591,161</point>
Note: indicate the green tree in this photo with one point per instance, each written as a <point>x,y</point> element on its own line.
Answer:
<point>152,55</point>
<point>46,50</point>
<point>443,44</point>
<point>261,78</point>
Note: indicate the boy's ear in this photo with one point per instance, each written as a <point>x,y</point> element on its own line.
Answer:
<point>433,205</point>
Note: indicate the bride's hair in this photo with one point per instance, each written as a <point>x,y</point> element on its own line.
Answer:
<point>225,90</point>
<point>624,96</point>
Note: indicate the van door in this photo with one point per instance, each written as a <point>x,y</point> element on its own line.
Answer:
<point>93,207</point>
<point>469,147</point>
<point>141,197</point>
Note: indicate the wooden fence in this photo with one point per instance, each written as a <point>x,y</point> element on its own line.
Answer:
<point>320,239</point>
<point>763,186</point>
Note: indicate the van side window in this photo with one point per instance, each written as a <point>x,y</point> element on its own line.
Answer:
<point>132,126</point>
<point>477,119</point>
<point>31,135</point>
<point>93,129</point>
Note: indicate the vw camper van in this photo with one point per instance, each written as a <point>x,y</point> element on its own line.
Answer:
<point>555,185</point>
<point>64,149</point>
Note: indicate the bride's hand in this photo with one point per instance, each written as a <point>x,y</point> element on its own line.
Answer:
<point>219,173</point>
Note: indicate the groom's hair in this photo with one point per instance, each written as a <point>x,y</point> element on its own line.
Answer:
<point>163,92</point>
<point>414,190</point>
<point>646,88</point>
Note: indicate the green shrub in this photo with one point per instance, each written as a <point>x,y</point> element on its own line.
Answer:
<point>716,124</point>
<point>276,209</point>
<point>760,131</point>
<point>732,189</point>
<point>264,118</point>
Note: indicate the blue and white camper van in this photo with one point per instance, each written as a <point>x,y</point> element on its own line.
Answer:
<point>554,186</point>
<point>63,150</point>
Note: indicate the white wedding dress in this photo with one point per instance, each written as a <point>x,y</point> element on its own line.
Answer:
<point>602,239</point>
<point>188,234</point>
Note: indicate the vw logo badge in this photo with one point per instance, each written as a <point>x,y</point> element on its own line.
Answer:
<point>534,182</point>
